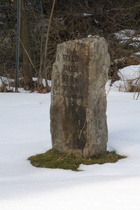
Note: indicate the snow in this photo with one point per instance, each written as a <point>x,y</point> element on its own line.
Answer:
<point>87,14</point>
<point>125,34</point>
<point>25,131</point>
<point>128,35</point>
<point>7,81</point>
<point>130,72</point>
<point>137,53</point>
<point>128,76</point>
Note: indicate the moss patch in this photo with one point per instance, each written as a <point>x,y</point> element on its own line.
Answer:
<point>56,159</point>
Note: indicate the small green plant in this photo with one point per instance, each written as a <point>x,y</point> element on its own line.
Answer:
<point>56,159</point>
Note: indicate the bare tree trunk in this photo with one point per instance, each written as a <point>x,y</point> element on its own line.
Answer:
<point>26,68</point>
<point>46,46</point>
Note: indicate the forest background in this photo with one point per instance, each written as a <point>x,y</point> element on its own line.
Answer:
<point>117,21</point>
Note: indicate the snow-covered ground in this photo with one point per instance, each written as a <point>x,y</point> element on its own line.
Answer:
<point>25,131</point>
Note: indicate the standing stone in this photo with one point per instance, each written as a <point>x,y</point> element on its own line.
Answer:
<point>78,99</point>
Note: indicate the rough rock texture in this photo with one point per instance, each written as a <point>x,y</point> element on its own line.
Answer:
<point>78,99</point>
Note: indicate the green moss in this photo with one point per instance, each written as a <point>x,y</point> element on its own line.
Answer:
<point>56,159</point>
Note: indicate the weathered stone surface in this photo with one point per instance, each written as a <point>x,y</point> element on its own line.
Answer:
<point>78,99</point>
